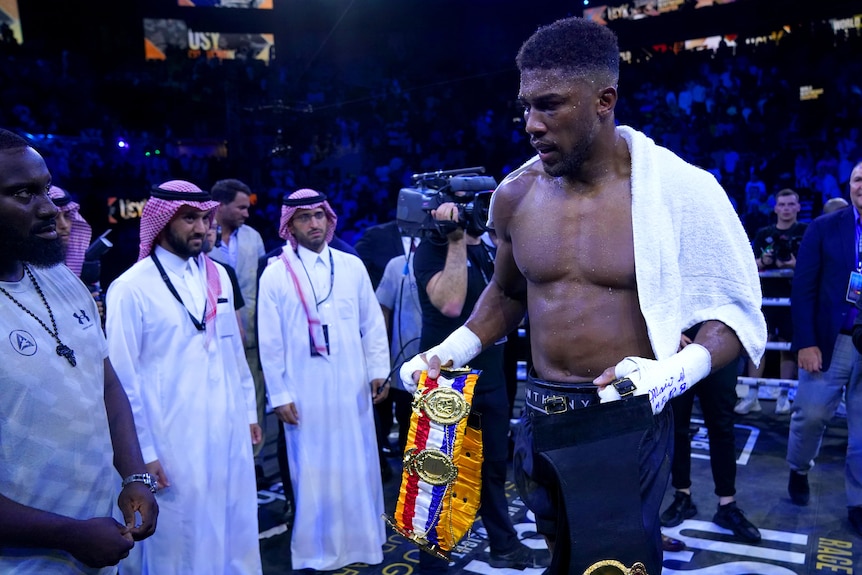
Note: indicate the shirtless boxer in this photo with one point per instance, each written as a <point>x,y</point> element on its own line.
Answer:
<point>614,246</point>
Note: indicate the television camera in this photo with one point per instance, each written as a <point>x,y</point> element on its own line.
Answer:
<point>465,187</point>
<point>91,271</point>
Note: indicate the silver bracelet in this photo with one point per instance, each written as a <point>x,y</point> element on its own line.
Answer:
<point>144,478</point>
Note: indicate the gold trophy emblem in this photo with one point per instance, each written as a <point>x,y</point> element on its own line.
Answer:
<point>611,567</point>
<point>442,405</point>
<point>431,465</point>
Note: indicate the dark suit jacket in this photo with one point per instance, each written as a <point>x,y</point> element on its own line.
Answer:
<point>818,303</point>
<point>857,327</point>
<point>377,246</point>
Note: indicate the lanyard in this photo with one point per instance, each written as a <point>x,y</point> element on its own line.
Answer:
<point>858,229</point>
<point>311,283</point>
<point>200,325</point>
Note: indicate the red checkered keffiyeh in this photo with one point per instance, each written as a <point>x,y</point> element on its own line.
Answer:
<point>304,199</point>
<point>159,211</point>
<point>81,232</point>
<point>166,200</point>
<point>308,200</point>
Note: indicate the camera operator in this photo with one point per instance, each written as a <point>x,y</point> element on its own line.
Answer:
<point>777,244</point>
<point>452,268</point>
<point>775,247</point>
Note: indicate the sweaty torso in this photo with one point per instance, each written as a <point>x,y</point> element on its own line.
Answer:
<point>575,249</point>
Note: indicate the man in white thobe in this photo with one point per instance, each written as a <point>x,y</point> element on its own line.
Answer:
<point>175,340</point>
<point>325,358</point>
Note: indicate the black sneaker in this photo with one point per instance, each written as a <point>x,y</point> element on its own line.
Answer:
<point>797,488</point>
<point>520,558</point>
<point>731,517</point>
<point>671,544</point>
<point>679,510</point>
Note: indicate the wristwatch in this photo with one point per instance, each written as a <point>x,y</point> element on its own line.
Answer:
<point>624,386</point>
<point>144,478</point>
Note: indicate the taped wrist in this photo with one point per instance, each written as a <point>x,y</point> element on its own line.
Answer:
<point>461,346</point>
<point>408,368</point>
<point>662,379</point>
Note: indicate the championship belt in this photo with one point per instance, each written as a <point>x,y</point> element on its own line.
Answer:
<point>611,567</point>
<point>441,478</point>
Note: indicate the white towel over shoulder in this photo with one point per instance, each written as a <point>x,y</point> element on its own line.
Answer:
<point>693,258</point>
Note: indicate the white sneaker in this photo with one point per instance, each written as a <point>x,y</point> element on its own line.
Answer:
<point>747,404</point>
<point>782,404</point>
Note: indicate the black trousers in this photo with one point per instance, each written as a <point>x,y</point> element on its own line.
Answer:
<point>717,394</point>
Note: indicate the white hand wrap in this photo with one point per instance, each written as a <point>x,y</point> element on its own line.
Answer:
<point>663,379</point>
<point>461,346</point>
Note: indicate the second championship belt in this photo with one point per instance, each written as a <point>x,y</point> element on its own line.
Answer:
<point>441,479</point>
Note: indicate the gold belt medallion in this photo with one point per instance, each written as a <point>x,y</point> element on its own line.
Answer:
<point>442,405</point>
<point>611,567</point>
<point>431,465</point>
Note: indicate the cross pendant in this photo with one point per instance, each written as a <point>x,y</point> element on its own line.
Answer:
<point>66,351</point>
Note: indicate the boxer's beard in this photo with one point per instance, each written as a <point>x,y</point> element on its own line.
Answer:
<point>573,161</point>
<point>32,250</point>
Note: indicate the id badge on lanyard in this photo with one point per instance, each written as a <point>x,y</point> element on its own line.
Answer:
<point>854,285</point>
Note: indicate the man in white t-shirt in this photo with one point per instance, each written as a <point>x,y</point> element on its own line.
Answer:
<point>64,418</point>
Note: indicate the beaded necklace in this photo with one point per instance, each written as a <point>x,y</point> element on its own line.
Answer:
<point>63,350</point>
